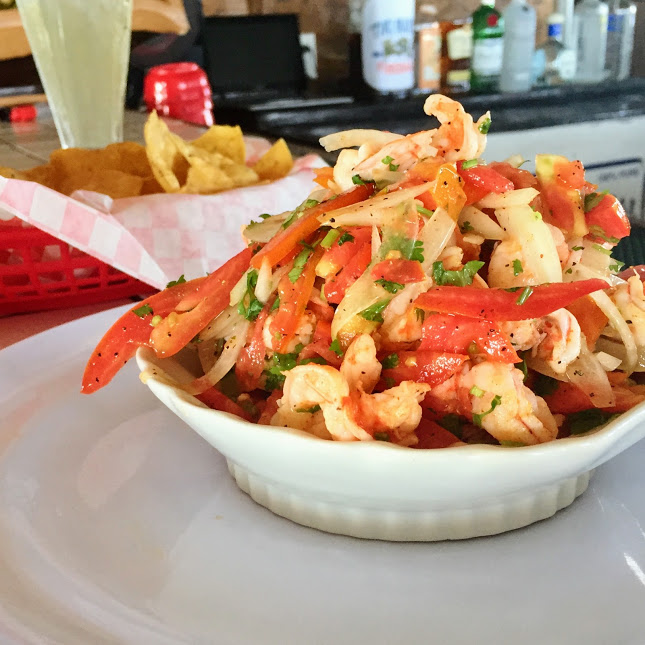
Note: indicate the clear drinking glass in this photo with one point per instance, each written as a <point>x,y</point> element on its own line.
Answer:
<point>81,49</point>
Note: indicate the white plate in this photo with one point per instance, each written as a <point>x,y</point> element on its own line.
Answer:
<point>118,524</point>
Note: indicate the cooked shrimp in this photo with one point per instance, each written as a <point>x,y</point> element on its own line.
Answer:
<point>304,332</point>
<point>452,258</point>
<point>630,300</point>
<point>504,406</point>
<point>302,419</point>
<point>360,367</point>
<point>555,338</point>
<point>458,137</point>
<point>503,268</point>
<point>401,324</point>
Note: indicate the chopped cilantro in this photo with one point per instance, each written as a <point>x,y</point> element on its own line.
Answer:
<point>544,385</point>
<point>451,423</point>
<point>599,232</point>
<point>373,312</point>
<point>471,163</point>
<point>381,436</point>
<point>390,361</point>
<point>484,126</point>
<point>174,283</point>
<point>477,391</point>
<point>577,248</point>
<point>424,211</point>
<point>517,267</point>
<point>388,162</point>
<point>390,287</point>
<point>408,248</point>
<point>299,264</point>
<point>602,249</point>
<point>477,418</point>
<point>586,420</point>
<point>345,237</point>
<point>289,221</point>
<point>617,266</point>
<point>569,270</point>
<point>251,310</point>
<point>466,227</point>
<point>525,295</point>
<point>592,200</point>
<point>417,251</point>
<point>336,348</point>
<point>319,360</point>
<point>280,363</point>
<point>356,179</point>
<point>276,304</point>
<point>389,382</point>
<point>330,238</point>
<point>462,278</point>
<point>311,410</point>
<point>143,311</point>
<point>265,216</point>
<point>310,203</point>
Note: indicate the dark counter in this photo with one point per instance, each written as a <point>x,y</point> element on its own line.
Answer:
<point>306,120</point>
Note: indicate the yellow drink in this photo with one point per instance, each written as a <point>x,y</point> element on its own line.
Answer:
<point>81,49</point>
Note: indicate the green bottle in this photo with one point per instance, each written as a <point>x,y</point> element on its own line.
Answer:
<point>488,47</point>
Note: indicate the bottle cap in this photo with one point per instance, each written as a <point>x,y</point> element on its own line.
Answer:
<point>555,19</point>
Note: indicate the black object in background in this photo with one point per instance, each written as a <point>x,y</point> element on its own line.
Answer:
<point>253,54</point>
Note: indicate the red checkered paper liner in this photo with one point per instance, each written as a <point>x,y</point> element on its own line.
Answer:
<point>157,238</point>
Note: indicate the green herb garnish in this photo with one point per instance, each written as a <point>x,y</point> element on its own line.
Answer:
<point>544,385</point>
<point>592,200</point>
<point>335,347</point>
<point>462,278</point>
<point>389,286</point>
<point>477,418</point>
<point>517,267</point>
<point>345,237</point>
<point>388,162</point>
<point>174,283</point>
<point>617,266</point>
<point>471,163</point>
<point>265,216</point>
<point>424,211</point>
<point>319,360</point>
<point>390,361</point>
<point>311,410</point>
<point>477,391</point>
<point>280,363</point>
<point>250,307</point>
<point>466,227</point>
<point>602,249</point>
<point>330,238</point>
<point>484,126</point>
<point>373,312</point>
<point>299,264</point>
<point>451,423</point>
<point>143,311</point>
<point>356,179</point>
<point>525,295</point>
<point>586,420</point>
<point>381,436</point>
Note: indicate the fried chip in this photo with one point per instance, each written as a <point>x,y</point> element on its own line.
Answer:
<point>114,183</point>
<point>162,151</point>
<point>225,139</point>
<point>128,157</point>
<point>205,178</point>
<point>11,173</point>
<point>275,163</point>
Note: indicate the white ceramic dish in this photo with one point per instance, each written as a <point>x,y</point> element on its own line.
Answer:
<point>382,491</point>
<point>120,525</point>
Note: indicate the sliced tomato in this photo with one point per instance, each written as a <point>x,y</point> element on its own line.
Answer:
<point>520,178</point>
<point>590,317</point>
<point>336,287</point>
<point>432,436</point>
<point>176,330</point>
<point>500,304</point>
<point>308,223</point>
<point>424,366</point>
<point>479,181</point>
<point>320,345</point>
<point>250,362</point>
<point>448,192</point>
<point>567,399</point>
<point>128,333</point>
<point>270,407</point>
<point>564,209</point>
<point>609,216</point>
<point>570,173</point>
<point>217,400</point>
<point>451,333</point>
<point>338,255</point>
<point>398,270</point>
<point>294,297</point>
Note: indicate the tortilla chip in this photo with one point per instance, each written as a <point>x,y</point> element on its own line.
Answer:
<point>276,162</point>
<point>225,139</point>
<point>114,183</point>
<point>162,150</point>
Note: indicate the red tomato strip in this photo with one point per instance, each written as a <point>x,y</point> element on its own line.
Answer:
<point>336,287</point>
<point>176,330</point>
<point>250,362</point>
<point>499,304</point>
<point>432,436</point>
<point>399,270</point>
<point>216,400</point>
<point>610,216</point>
<point>520,178</point>
<point>302,228</point>
<point>450,333</point>
<point>129,332</point>
<point>424,367</point>
<point>479,181</point>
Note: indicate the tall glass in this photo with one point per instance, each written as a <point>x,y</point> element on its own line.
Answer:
<point>81,49</point>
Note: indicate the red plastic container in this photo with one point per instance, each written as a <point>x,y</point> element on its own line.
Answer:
<point>180,91</point>
<point>40,272</point>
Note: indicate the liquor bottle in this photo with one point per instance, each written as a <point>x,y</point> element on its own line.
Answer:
<point>456,53</point>
<point>559,61</point>
<point>388,45</point>
<point>428,48</point>
<point>520,23</point>
<point>488,46</point>
<point>620,38</point>
<point>591,19</point>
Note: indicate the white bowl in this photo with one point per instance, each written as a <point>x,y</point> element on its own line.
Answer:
<point>383,491</point>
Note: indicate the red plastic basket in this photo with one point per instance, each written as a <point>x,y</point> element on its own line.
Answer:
<point>39,272</point>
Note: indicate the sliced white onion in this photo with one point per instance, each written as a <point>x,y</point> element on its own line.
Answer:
<point>616,320</point>
<point>376,241</point>
<point>373,216</point>
<point>222,326</point>
<point>515,160</point>
<point>436,233</point>
<point>357,137</point>
<point>526,226</point>
<point>520,197</point>
<point>264,287</point>
<point>238,291</point>
<point>402,301</point>
<point>482,223</point>
<point>232,348</point>
<point>263,231</point>
<point>609,363</point>
<point>362,294</point>
<point>588,374</point>
<point>384,200</point>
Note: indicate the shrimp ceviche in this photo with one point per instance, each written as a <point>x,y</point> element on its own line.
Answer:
<point>421,296</point>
